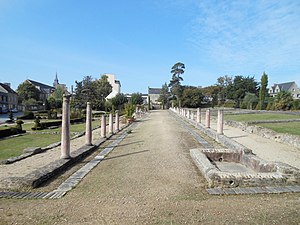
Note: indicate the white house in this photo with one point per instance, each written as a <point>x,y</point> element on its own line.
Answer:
<point>288,86</point>
<point>116,85</point>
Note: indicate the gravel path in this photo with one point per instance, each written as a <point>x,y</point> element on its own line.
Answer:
<point>150,179</point>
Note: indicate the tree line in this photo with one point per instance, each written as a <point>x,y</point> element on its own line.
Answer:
<point>238,92</point>
<point>88,89</point>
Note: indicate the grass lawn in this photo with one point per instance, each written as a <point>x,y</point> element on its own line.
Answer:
<point>290,128</point>
<point>257,117</point>
<point>12,147</point>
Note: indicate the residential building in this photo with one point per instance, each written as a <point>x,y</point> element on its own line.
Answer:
<point>116,85</point>
<point>45,90</point>
<point>288,86</point>
<point>8,98</point>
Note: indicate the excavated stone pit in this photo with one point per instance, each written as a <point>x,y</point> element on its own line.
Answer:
<point>232,168</point>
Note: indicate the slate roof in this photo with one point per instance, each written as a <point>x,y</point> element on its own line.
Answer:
<point>154,91</point>
<point>284,86</point>
<point>44,86</point>
<point>8,88</point>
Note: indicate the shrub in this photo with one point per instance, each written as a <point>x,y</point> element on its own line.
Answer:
<point>296,104</point>
<point>19,124</point>
<point>230,104</point>
<point>129,110</point>
<point>37,124</point>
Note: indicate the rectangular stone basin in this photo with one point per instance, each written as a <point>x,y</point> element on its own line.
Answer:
<point>231,168</point>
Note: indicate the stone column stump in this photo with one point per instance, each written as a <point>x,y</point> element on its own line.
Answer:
<point>198,115</point>
<point>192,115</point>
<point>88,124</point>
<point>207,120</point>
<point>103,126</point>
<point>65,131</point>
<point>111,124</point>
<point>220,122</point>
<point>117,122</point>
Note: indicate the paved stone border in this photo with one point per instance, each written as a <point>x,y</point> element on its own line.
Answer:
<point>254,190</point>
<point>193,133</point>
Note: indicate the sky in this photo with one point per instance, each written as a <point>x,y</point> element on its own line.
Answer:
<point>140,40</point>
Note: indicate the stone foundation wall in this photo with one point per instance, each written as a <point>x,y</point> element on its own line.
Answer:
<point>268,173</point>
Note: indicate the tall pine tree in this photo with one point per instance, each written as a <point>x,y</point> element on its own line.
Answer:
<point>263,92</point>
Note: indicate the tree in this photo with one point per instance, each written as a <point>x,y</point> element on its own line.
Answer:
<point>175,86</point>
<point>283,101</point>
<point>223,83</point>
<point>55,100</point>
<point>136,99</point>
<point>240,86</point>
<point>192,97</point>
<point>93,91</point>
<point>26,91</point>
<point>101,88</point>
<point>263,92</point>
<point>212,92</point>
<point>118,101</point>
<point>164,95</point>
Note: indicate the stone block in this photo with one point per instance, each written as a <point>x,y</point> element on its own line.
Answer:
<point>33,150</point>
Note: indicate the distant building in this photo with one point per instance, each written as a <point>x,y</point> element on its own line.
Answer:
<point>154,94</point>
<point>57,84</point>
<point>116,85</point>
<point>8,98</point>
<point>45,90</point>
<point>289,86</point>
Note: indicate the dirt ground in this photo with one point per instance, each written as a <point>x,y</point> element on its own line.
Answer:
<point>150,179</point>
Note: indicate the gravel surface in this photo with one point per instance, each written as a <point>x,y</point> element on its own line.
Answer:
<point>151,179</point>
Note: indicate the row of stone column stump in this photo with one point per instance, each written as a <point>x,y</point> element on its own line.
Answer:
<point>189,114</point>
<point>65,133</point>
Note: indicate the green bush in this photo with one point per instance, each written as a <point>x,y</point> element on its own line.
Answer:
<point>296,104</point>
<point>129,110</point>
<point>37,124</point>
<point>19,124</point>
<point>230,104</point>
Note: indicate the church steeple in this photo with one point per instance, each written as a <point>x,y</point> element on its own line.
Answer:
<point>55,83</point>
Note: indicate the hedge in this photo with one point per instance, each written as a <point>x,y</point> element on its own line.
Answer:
<point>10,131</point>
<point>47,124</point>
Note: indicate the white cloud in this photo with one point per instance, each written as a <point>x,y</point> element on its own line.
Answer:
<point>248,34</point>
